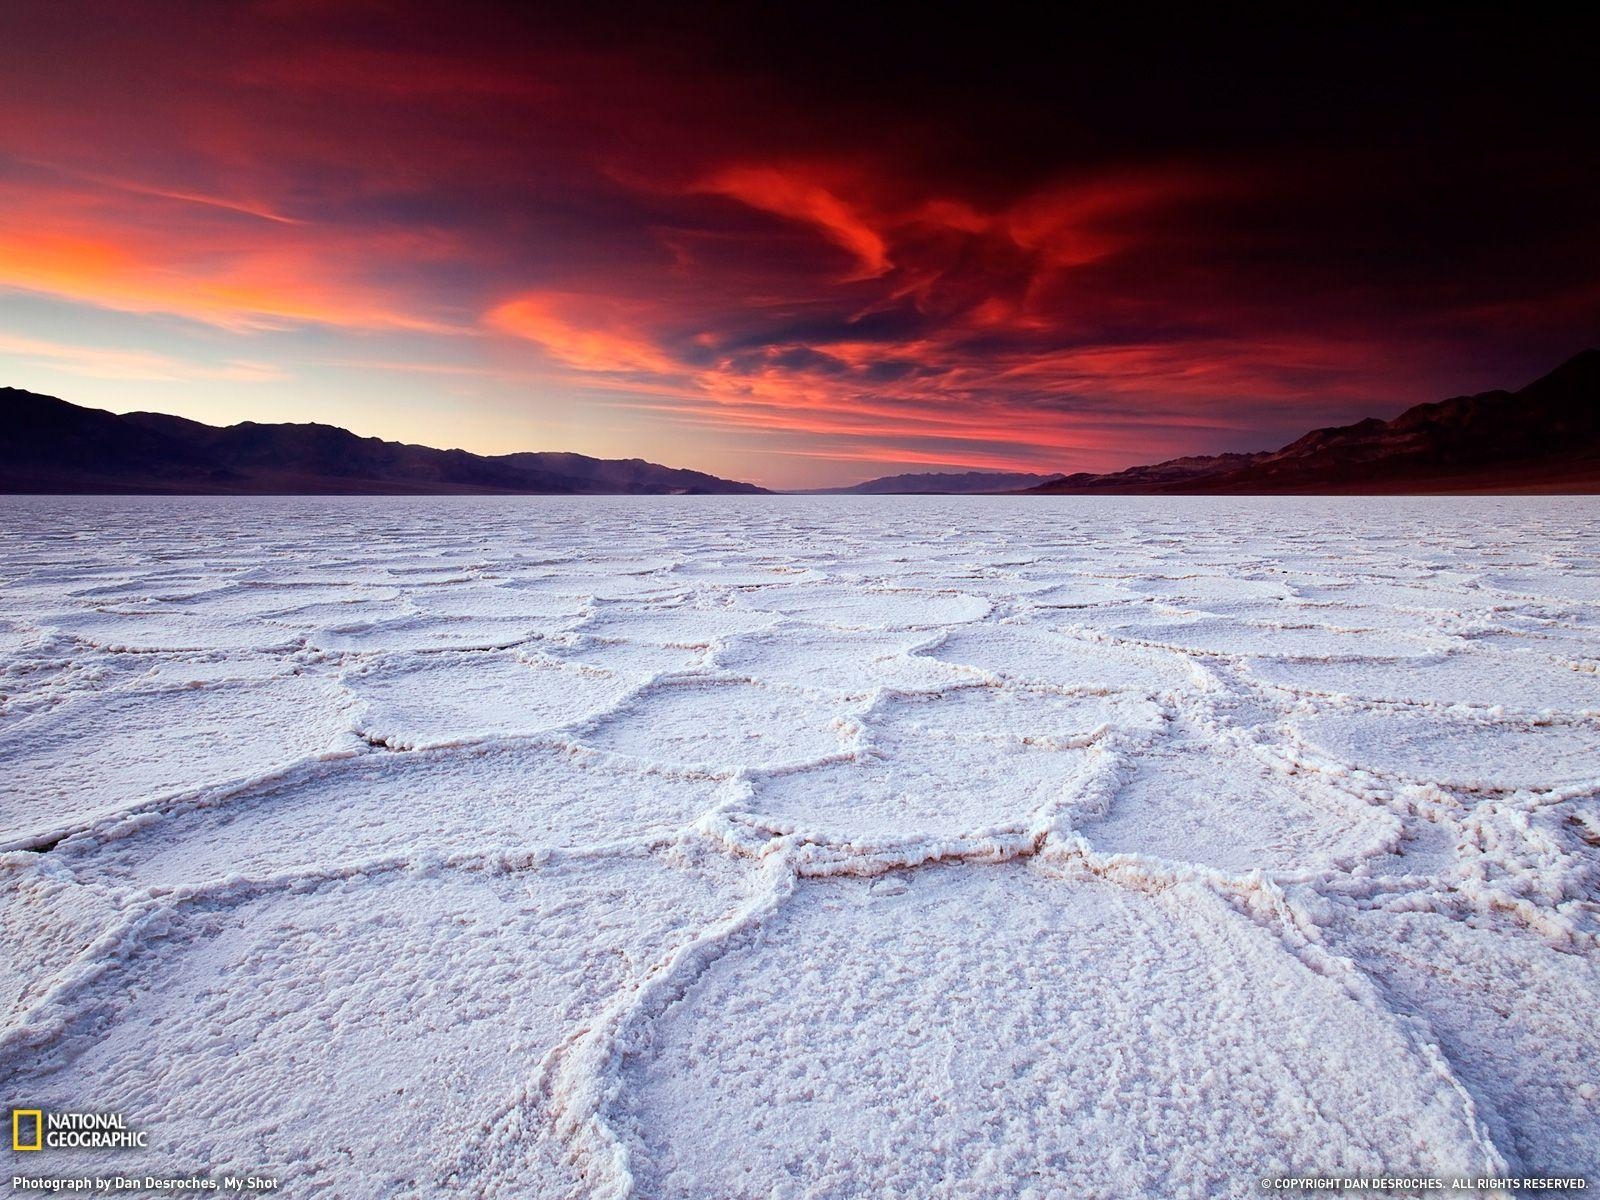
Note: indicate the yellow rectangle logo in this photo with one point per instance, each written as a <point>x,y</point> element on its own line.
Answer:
<point>16,1128</point>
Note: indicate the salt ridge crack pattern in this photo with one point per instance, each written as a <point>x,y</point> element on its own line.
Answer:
<point>804,847</point>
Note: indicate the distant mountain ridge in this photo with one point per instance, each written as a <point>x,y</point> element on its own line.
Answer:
<point>1543,438</point>
<point>948,482</point>
<point>49,445</point>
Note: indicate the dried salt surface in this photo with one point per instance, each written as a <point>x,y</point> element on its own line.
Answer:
<point>1035,716</point>
<point>639,660</point>
<point>293,604</point>
<point>851,607</point>
<point>497,600</point>
<point>1301,639</point>
<point>983,1023</point>
<point>1038,653</point>
<point>725,724</point>
<point>510,800</point>
<point>1516,1020</point>
<point>1456,750</point>
<point>171,628</point>
<point>935,797</point>
<point>448,699</point>
<point>674,624</point>
<point>389,1016</point>
<point>783,846</point>
<point>842,661</point>
<point>47,923</point>
<point>1236,813</point>
<point>102,752</point>
<point>16,636</point>
<point>422,633</point>
<point>1526,682</point>
<point>1577,581</point>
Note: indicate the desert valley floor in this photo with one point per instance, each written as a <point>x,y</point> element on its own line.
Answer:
<point>803,847</point>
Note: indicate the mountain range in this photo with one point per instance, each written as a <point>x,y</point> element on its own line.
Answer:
<point>1543,438</point>
<point>946,483</point>
<point>49,445</point>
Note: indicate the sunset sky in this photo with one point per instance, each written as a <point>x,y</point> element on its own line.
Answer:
<point>798,250</point>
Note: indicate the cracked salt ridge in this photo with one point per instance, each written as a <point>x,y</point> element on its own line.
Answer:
<point>47,925</point>
<point>1525,683</point>
<point>1298,640</point>
<point>812,1056</point>
<point>1523,858</point>
<point>1563,585</point>
<point>421,632</point>
<point>1514,1018</point>
<point>147,630</point>
<point>968,769</point>
<point>398,810</point>
<point>847,607</point>
<point>726,724</point>
<point>1526,858</point>
<point>451,699</point>
<point>1473,752</point>
<point>1257,815</point>
<point>94,755</point>
<point>673,624</point>
<point>279,1038</point>
<point>1044,654</point>
<point>849,662</point>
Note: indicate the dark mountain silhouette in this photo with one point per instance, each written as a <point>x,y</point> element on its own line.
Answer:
<point>48,445</point>
<point>964,482</point>
<point>1544,438</point>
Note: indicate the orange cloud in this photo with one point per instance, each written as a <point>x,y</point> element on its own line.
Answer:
<point>144,262</point>
<point>584,332</point>
<point>787,194</point>
<point>1074,224</point>
<point>143,188</point>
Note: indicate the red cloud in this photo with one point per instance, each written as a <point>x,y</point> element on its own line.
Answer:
<point>785,192</point>
<point>654,231</point>
<point>584,332</point>
<point>151,251</point>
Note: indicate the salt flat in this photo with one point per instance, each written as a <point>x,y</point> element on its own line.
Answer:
<point>792,847</point>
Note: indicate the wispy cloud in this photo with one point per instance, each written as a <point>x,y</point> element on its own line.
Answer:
<point>102,362</point>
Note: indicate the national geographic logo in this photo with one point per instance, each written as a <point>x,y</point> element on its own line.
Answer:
<point>38,1129</point>
<point>22,1140</point>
